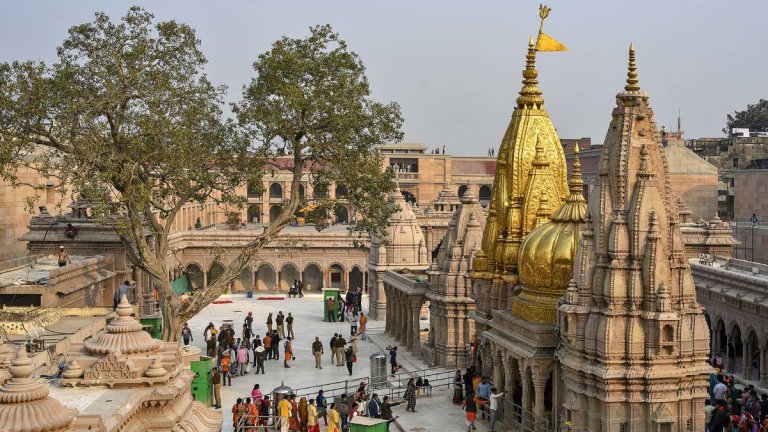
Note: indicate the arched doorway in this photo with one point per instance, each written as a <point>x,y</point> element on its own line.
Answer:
<point>336,275</point>
<point>753,359</point>
<point>463,190</point>
<point>312,278</point>
<point>195,276</point>
<point>254,213</point>
<point>735,349</point>
<point>274,212</point>
<point>254,190</point>
<point>214,272</point>
<point>288,274</point>
<point>484,195</point>
<point>721,342</point>
<point>275,191</point>
<point>243,281</point>
<point>265,278</point>
<point>342,215</point>
<point>355,278</point>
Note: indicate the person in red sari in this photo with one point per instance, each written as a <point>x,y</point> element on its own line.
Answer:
<point>293,422</point>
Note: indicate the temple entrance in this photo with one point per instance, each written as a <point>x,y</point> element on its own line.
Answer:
<point>288,274</point>
<point>355,278</point>
<point>216,270</point>
<point>265,278</point>
<point>195,275</point>
<point>336,275</point>
<point>312,278</point>
<point>254,213</point>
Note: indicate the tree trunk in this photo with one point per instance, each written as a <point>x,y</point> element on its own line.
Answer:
<point>172,323</point>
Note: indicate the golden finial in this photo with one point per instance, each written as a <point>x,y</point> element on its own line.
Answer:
<point>576,182</point>
<point>530,95</point>
<point>543,14</point>
<point>632,73</point>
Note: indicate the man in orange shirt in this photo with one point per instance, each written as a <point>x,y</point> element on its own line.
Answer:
<point>267,341</point>
<point>226,366</point>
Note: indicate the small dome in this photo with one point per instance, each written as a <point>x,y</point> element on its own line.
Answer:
<point>545,262</point>
<point>123,334</point>
<point>25,405</point>
<point>404,241</point>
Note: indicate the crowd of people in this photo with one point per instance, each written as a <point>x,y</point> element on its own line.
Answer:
<point>476,395</point>
<point>732,408</point>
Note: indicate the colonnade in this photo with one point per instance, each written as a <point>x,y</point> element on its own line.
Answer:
<point>403,312</point>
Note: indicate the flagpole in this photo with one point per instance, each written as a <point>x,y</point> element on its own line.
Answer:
<point>543,14</point>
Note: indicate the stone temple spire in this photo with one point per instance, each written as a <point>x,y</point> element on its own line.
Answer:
<point>25,405</point>
<point>634,341</point>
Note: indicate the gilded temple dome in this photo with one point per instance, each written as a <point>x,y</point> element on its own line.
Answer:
<point>546,256</point>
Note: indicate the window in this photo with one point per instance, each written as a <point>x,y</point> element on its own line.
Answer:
<point>668,333</point>
<point>665,427</point>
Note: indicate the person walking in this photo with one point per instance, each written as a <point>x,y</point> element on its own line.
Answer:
<point>288,352</point>
<point>301,289</point>
<point>363,321</point>
<point>303,414</point>
<point>264,412</point>
<point>186,334</point>
<point>352,320</point>
<point>458,383</point>
<point>393,359</point>
<point>470,406</point>
<point>216,381</point>
<point>279,322</point>
<point>293,423</point>
<point>260,355</point>
<point>410,396</point>
<point>284,412</point>
<point>249,322</point>
<point>313,420</point>
<point>289,322</point>
<point>321,407</point>
<point>350,358</point>
<point>317,351</point>
<point>275,346</point>
<point>493,405</point>
<point>268,345</point>
<point>339,345</point>
<point>256,394</point>
<point>226,365</point>
<point>269,323</point>
<point>334,422</point>
<point>242,360</point>
<point>208,332</point>
<point>353,342</point>
<point>332,347</point>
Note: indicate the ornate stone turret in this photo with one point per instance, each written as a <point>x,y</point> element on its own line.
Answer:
<point>530,181</point>
<point>25,405</point>
<point>403,246</point>
<point>450,290</point>
<point>634,339</point>
<point>124,334</point>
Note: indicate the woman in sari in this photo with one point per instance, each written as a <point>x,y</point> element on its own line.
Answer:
<point>303,414</point>
<point>293,422</point>
<point>334,419</point>
<point>410,396</point>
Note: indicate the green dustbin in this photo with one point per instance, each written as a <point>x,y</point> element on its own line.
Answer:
<point>334,294</point>
<point>367,424</point>
<point>202,387</point>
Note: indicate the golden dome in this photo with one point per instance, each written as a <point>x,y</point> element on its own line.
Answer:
<point>545,262</point>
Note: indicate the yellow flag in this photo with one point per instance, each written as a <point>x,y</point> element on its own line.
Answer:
<point>547,43</point>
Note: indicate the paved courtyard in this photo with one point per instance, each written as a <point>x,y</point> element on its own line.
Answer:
<point>435,413</point>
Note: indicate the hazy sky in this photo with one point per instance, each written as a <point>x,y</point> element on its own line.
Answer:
<point>454,66</point>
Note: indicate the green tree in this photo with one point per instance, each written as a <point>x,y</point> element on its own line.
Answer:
<point>755,117</point>
<point>128,117</point>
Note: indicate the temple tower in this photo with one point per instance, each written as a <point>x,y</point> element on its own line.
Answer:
<point>450,290</point>
<point>402,246</point>
<point>634,339</point>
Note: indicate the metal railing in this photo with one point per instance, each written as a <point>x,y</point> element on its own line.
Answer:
<point>249,422</point>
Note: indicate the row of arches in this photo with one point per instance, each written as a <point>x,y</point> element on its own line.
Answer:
<point>254,214</point>
<point>267,279</point>
<point>276,191</point>
<point>484,194</point>
<point>743,353</point>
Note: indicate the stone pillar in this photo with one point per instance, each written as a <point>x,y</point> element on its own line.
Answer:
<point>539,387</point>
<point>415,345</point>
<point>399,324</point>
<point>525,380</point>
<point>377,305</point>
<point>407,321</point>
<point>497,365</point>
<point>510,416</point>
<point>746,365</point>
<point>388,312</point>
<point>763,372</point>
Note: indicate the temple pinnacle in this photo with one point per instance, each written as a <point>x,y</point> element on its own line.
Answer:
<point>632,72</point>
<point>530,94</point>
<point>576,182</point>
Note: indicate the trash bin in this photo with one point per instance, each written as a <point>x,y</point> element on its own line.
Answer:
<point>378,370</point>
<point>279,393</point>
<point>249,294</point>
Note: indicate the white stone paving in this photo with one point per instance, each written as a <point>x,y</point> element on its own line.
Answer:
<point>308,314</point>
